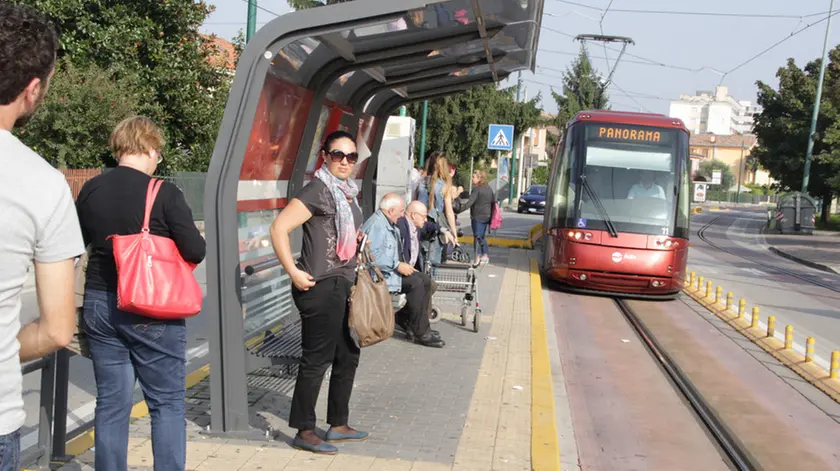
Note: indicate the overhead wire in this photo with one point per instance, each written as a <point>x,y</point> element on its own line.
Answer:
<point>775,45</point>
<point>696,13</point>
<point>601,26</point>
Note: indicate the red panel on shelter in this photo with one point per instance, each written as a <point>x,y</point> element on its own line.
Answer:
<point>277,131</point>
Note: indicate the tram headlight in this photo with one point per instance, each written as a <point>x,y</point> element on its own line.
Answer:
<point>578,235</point>
<point>667,243</point>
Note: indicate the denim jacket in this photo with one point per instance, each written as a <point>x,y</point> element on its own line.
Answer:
<point>386,246</point>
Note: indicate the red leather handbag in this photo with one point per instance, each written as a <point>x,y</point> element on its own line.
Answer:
<point>153,279</point>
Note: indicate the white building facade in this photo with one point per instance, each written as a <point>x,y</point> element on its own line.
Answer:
<point>716,113</point>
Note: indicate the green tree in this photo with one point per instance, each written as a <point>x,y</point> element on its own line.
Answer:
<point>539,176</point>
<point>727,178</point>
<point>784,124</point>
<point>83,106</point>
<point>158,42</point>
<point>583,89</point>
<point>457,124</point>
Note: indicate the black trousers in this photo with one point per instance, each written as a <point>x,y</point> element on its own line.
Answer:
<point>326,341</point>
<point>418,298</point>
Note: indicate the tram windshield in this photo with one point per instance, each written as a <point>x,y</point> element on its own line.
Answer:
<point>624,179</point>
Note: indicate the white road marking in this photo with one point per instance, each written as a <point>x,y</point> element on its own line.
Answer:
<point>755,271</point>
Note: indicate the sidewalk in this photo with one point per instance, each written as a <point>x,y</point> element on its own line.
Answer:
<point>820,250</point>
<point>465,407</point>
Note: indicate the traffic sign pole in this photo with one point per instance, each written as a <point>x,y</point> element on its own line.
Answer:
<point>513,154</point>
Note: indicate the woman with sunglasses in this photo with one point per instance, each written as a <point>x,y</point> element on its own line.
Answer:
<point>321,280</point>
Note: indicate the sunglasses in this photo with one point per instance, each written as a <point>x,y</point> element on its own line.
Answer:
<point>337,156</point>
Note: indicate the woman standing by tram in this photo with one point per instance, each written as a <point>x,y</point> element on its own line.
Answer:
<point>321,280</point>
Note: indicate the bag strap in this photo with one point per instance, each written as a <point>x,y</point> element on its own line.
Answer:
<point>369,256</point>
<point>151,195</point>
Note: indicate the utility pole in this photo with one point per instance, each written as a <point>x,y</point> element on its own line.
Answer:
<point>513,153</point>
<point>423,134</point>
<point>740,166</point>
<point>806,174</point>
<point>251,27</point>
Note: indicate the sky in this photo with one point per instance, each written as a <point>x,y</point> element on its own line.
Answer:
<point>707,45</point>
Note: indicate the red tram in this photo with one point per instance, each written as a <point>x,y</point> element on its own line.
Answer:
<point>617,207</point>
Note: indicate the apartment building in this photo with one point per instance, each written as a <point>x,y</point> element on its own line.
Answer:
<point>715,112</point>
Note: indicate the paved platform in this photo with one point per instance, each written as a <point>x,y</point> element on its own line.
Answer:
<point>820,250</point>
<point>465,407</point>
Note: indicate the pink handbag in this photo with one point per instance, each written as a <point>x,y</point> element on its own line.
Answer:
<point>496,218</point>
<point>153,279</point>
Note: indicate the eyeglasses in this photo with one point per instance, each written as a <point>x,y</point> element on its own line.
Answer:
<point>337,156</point>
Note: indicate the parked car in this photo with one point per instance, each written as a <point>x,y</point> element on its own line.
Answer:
<point>533,200</point>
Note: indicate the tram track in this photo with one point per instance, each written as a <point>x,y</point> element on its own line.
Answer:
<point>730,447</point>
<point>701,233</point>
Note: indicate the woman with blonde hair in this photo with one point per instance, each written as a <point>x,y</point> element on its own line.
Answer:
<point>440,200</point>
<point>126,347</point>
<point>480,205</point>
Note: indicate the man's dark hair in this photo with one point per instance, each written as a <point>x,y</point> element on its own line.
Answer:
<point>28,44</point>
<point>334,136</point>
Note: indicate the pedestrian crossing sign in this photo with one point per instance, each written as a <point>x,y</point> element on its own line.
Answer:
<point>500,137</point>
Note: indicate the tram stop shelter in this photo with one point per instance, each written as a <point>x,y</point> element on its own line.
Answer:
<point>305,74</point>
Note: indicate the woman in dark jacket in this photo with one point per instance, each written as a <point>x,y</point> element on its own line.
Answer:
<point>322,277</point>
<point>480,205</point>
<point>125,345</point>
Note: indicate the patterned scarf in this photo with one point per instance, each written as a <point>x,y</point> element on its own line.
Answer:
<point>342,191</point>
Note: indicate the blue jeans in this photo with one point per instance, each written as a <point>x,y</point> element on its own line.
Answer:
<point>10,452</point>
<point>125,345</point>
<point>479,230</point>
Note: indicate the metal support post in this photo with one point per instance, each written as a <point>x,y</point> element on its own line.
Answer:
<point>740,166</point>
<point>251,27</point>
<point>402,110</point>
<point>472,162</point>
<point>46,412</point>
<point>423,133</point>
<point>62,384</point>
<point>807,170</point>
<point>513,153</point>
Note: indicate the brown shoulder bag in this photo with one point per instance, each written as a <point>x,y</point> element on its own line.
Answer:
<point>371,318</point>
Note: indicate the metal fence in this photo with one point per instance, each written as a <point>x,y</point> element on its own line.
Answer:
<point>52,411</point>
<point>192,184</point>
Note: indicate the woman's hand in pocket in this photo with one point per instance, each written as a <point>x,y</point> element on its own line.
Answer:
<point>302,280</point>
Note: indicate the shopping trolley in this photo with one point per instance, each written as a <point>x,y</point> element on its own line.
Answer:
<point>457,282</point>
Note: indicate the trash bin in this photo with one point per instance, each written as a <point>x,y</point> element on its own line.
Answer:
<point>795,214</point>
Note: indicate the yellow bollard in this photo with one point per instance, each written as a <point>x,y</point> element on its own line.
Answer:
<point>788,337</point>
<point>718,294</point>
<point>835,364</point>
<point>693,278</point>
<point>754,320</point>
<point>708,289</point>
<point>699,283</point>
<point>742,308</point>
<point>809,349</point>
<point>729,300</point>
<point>771,326</point>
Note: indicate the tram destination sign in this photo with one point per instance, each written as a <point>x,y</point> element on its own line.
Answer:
<point>621,133</point>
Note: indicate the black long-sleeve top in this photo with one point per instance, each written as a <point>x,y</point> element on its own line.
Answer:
<point>480,204</point>
<point>114,203</point>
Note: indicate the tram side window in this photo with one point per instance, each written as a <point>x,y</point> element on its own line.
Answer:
<point>562,191</point>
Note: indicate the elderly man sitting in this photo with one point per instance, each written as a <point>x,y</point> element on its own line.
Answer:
<point>401,277</point>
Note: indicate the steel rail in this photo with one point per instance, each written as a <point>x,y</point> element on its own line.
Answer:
<point>739,458</point>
